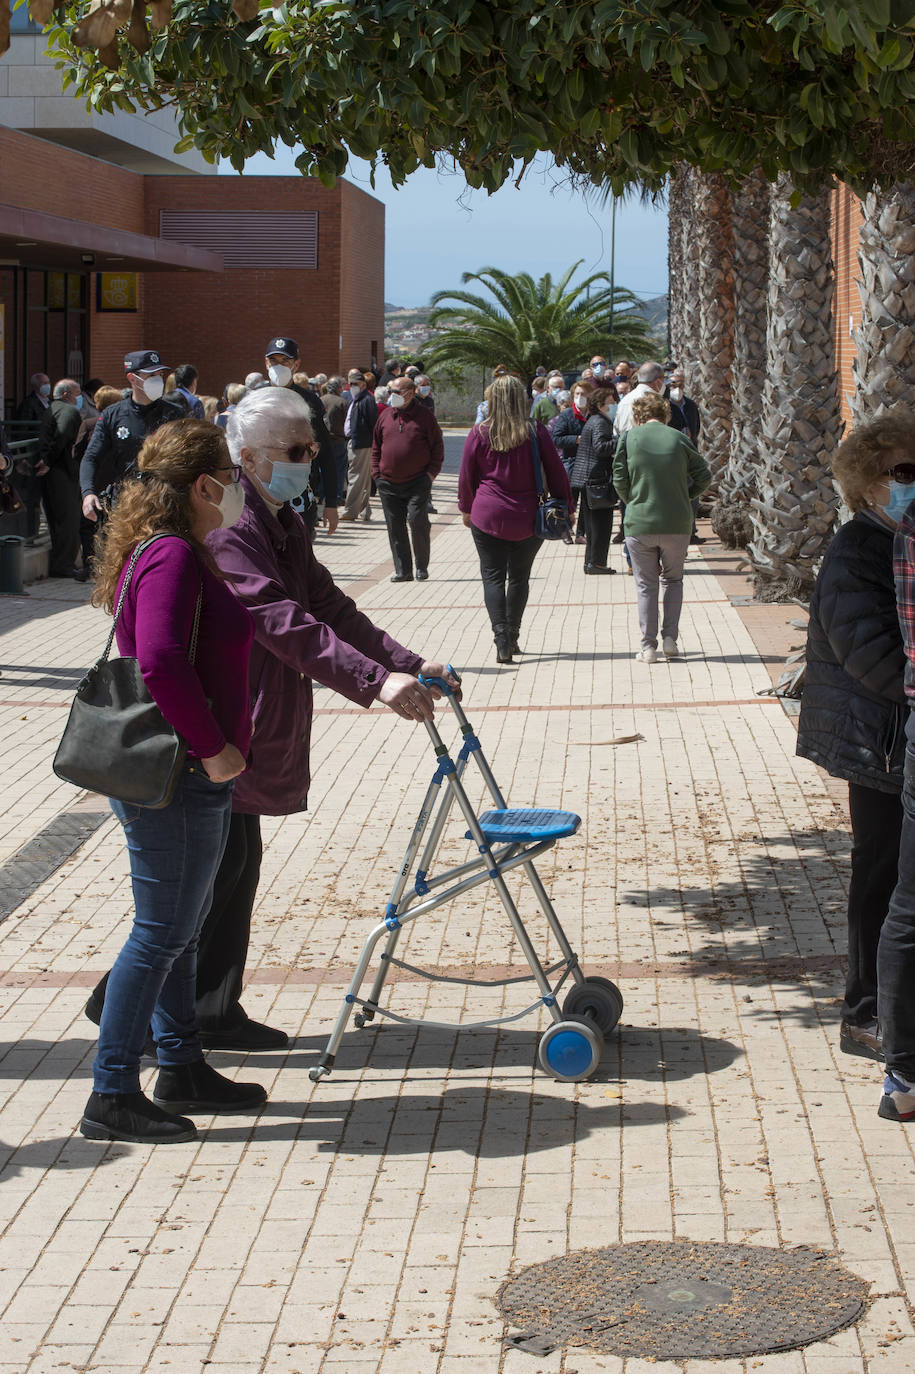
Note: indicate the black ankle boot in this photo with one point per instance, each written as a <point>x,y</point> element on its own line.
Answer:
<point>198,1088</point>
<point>513,632</point>
<point>131,1116</point>
<point>503,647</point>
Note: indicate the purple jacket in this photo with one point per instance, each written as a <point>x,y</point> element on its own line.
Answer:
<point>305,628</point>
<point>499,490</point>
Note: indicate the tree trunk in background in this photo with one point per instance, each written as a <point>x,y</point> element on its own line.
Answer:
<point>688,357</point>
<point>750,225</point>
<point>884,370</point>
<point>676,209</point>
<point>714,286</point>
<point>794,514</point>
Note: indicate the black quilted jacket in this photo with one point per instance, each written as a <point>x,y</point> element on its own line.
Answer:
<point>565,434</point>
<point>853,711</point>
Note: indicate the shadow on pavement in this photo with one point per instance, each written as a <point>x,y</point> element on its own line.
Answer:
<point>782,919</point>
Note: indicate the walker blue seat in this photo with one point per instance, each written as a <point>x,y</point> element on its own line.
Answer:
<point>526,826</point>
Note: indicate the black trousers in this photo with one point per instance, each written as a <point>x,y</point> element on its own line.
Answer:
<point>600,527</point>
<point>876,826</point>
<point>223,943</point>
<point>505,566</point>
<point>406,504</point>
<point>580,501</point>
<point>61,500</point>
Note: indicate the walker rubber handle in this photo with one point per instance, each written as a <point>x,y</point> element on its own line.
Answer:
<point>441,682</point>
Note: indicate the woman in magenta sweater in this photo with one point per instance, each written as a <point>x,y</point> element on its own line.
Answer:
<point>497,495</point>
<point>188,486</point>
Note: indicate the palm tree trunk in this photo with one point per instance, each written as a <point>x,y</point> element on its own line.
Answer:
<point>676,211</point>
<point>884,369</point>
<point>715,289</point>
<point>737,484</point>
<point>688,356</point>
<point>794,514</point>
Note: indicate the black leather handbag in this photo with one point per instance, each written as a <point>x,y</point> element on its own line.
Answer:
<point>552,519</point>
<point>116,740</point>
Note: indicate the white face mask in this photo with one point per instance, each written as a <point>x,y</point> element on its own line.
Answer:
<point>396,400</point>
<point>580,401</point>
<point>153,387</point>
<point>676,393</point>
<point>279,374</point>
<point>231,504</point>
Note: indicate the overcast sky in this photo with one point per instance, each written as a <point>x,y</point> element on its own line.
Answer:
<point>436,228</point>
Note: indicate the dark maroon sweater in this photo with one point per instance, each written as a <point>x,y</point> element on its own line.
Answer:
<point>407,442</point>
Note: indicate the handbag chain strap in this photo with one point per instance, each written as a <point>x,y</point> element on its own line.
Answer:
<point>125,587</point>
<point>538,471</point>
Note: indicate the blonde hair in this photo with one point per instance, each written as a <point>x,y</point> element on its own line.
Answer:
<point>508,424</point>
<point>106,396</point>
<point>653,407</point>
<point>170,461</point>
<point>870,450</point>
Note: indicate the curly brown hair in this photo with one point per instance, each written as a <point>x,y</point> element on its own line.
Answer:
<point>158,500</point>
<point>870,451</point>
<point>650,407</point>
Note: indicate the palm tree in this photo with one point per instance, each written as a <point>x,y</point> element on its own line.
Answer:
<point>529,323</point>
<point>884,369</point>
<point>738,483</point>
<point>794,514</point>
<point>714,286</point>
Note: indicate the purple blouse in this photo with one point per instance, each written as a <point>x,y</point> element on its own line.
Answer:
<point>498,490</point>
<point>207,702</point>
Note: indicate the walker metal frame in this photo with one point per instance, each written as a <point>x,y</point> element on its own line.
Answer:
<point>505,840</point>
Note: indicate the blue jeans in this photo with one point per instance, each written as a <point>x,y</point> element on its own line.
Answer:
<point>174,855</point>
<point>896,950</point>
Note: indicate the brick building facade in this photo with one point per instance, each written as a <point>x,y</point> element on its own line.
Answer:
<point>260,256</point>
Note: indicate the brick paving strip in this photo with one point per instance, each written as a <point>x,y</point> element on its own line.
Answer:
<point>364,1225</point>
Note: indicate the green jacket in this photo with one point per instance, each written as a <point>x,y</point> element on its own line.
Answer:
<point>658,474</point>
<point>544,409</point>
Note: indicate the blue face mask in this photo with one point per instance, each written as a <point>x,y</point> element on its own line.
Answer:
<point>902,494</point>
<point>288,480</point>
<point>610,410</point>
<point>79,401</point>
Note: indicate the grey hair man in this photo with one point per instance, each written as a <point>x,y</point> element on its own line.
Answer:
<point>651,379</point>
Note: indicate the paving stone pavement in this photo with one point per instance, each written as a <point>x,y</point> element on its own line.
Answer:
<point>366,1223</point>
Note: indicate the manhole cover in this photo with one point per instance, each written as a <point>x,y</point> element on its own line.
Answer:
<point>677,1300</point>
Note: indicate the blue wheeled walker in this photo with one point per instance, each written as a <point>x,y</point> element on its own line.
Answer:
<point>570,1049</point>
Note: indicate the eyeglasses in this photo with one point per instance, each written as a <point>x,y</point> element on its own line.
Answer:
<point>235,471</point>
<point>296,452</point>
<point>903,473</point>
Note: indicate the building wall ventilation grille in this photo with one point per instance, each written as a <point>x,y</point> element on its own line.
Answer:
<point>247,240</point>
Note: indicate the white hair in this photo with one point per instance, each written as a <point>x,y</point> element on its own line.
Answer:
<point>63,388</point>
<point>382,393</point>
<point>258,411</point>
<point>650,372</point>
<point>253,378</point>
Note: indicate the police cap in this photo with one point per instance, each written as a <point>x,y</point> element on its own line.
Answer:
<point>144,360</point>
<point>287,347</point>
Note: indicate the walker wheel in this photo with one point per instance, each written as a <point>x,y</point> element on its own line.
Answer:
<point>599,1000</point>
<point>359,1020</point>
<point>570,1050</point>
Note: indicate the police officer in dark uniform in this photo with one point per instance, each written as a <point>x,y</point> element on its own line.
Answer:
<point>111,454</point>
<point>282,358</point>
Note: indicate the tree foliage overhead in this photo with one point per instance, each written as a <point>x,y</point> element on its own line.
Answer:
<point>529,323</point>
<point>615,90</point>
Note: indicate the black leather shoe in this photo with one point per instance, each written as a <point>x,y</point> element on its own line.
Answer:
<point>246,1036</point>
<point>402,577</point>
<point>596,569</point>
<point>422,574</point>
<point>864,1041</point>
<point>131,1116</point>
<point>618,539</point>
<point>199,1088</point>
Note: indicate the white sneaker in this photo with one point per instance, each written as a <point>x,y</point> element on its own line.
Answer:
<point>670,647</point>
<point>648,655</point>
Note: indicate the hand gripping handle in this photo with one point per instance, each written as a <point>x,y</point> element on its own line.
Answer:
<point>441,682</point>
